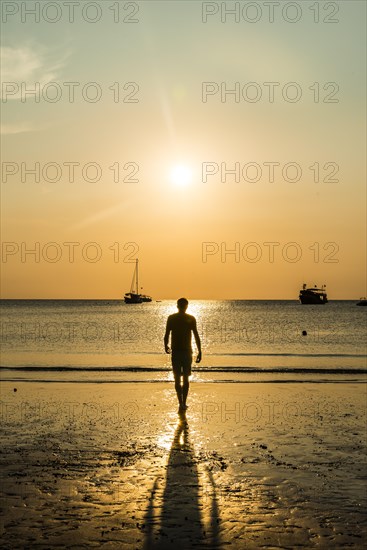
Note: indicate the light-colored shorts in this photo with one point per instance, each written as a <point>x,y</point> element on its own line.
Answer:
<point>181,362</point>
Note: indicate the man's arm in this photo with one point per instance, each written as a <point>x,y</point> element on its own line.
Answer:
<point>197,341</point>
<point>166,337</point>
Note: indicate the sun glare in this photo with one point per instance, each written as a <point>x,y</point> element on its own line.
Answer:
<point>181,175</point>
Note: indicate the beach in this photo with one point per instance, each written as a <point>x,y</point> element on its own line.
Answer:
<point>250,465</point>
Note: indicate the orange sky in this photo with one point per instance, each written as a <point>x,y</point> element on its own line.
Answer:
<point>280,183</point>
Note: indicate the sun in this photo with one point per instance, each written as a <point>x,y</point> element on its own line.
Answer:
<point>181,175</point>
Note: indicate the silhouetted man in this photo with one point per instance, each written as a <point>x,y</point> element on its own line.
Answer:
<point>181,325</point>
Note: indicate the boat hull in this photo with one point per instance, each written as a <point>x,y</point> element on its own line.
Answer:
<point>132,298</point>
<point>309,298</point>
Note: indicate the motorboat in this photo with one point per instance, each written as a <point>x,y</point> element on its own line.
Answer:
<point>313,295</point>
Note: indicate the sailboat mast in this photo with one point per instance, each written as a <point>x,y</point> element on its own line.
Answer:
<point>137,277</point>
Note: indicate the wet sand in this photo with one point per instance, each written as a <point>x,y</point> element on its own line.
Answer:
<point>108,465</point>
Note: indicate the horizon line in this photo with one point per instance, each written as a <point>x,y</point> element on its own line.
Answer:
<point>175,299</point>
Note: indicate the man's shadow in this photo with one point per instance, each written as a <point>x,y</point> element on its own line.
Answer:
<point>180,523</point>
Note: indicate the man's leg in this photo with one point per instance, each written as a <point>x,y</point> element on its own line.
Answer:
<point>186,373</point>
<point>178,389</point>
<point>185,389</point>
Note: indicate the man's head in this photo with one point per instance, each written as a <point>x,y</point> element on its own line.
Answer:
<point>182,304</point>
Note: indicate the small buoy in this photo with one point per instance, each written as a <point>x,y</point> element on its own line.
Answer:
<point>304,333</point>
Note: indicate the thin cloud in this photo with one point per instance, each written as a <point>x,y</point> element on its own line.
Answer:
<point>16,128</point>
<point>28,64</point>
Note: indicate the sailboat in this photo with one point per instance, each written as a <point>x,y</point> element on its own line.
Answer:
<point>134,297</point>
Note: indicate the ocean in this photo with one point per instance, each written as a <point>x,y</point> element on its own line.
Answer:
<point>242,341</point>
